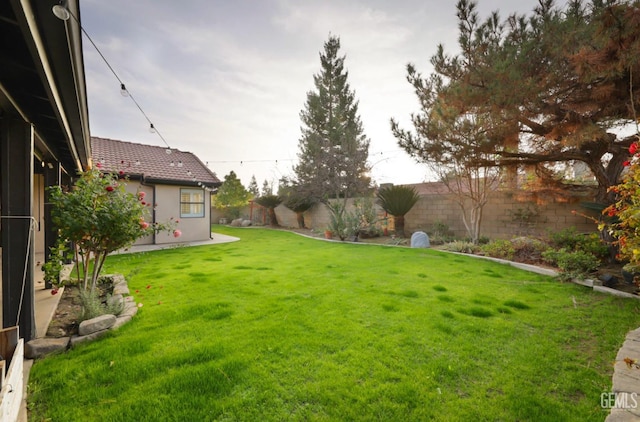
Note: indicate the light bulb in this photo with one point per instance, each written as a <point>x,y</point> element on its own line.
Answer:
<point>168,151</point>
<point>179,163</point>
<point>152,128</point>
<point>61,11</point>
<point>123,90</point>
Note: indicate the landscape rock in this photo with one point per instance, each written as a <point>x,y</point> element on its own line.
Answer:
<point>120,321</point>
<point>245,223</point>
<point>40,347</point>
<point>420,240</point>
<point>100,323</point>
<point>89,337</point>
<point>130,309</point>
<point>237,222</point>
<point>115,299</point>
<point>119,284</point>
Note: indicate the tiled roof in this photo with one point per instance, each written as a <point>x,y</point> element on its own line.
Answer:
<point>151,162</point>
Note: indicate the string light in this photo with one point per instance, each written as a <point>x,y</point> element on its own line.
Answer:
<point>62,12</point>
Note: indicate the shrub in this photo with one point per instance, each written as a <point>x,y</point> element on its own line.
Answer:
<point>528,249</point>
<point>461,247</point>
<point>570,239</point>
<point>94,305</point>
<point>499,249</point>
<point>440,233</point>
<point>572,264</point>
<point>593,244</point>
<point>564,239</point>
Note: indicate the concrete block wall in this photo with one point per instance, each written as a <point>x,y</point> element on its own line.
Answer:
<point>506,215</point>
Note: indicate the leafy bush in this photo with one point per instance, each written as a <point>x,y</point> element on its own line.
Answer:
<point>567,238</point>
<point>461,247</point>
<point>572,264</point>
<point>440,233</point>
<point>499,249</point>
<point>593,244</point>
<point>571,240</point>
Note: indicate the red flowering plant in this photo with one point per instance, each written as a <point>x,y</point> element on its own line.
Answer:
<point>99,216</point>
<point>625,227</point>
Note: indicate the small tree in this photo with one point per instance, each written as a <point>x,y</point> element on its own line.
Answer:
<point>99,216</point>
<point>295,199</point>
<point>253,187</point>
<point>397,201</point>
<point>267,188</point>
<point>270,202</point>
<point>231,196</point>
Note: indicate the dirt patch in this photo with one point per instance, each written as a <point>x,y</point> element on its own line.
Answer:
<point>66,318</point>
<point>68,315</point>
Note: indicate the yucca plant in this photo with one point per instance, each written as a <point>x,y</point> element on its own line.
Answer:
<point>270,202</point>
<point>397,201</point>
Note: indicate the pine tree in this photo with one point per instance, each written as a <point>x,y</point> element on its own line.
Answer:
<point>253,187</point>
<point>231,196</point>
<point>333,147</point>
<point>266,188</point>
<point>558,86</point>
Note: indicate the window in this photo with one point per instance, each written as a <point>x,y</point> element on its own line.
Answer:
<point>191,203</point>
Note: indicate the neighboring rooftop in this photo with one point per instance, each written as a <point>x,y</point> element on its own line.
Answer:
<point>429,188</point>
<point>152,163</point>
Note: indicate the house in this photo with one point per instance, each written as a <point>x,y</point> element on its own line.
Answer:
<point>44,138</point>
<point>177,185</point>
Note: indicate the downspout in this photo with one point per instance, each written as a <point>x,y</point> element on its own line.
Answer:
<point>210,215</point>
<point>153,207</point>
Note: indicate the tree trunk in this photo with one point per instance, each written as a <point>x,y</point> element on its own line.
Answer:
<point>398,224</point>
<point>273,220</point>
<point>300,219</point>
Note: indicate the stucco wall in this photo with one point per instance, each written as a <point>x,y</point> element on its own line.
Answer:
<point>507,214</point>
<point>166,199</point>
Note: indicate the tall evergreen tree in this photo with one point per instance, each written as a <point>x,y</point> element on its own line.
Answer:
<point>333,147</point>
<point>253,187</point>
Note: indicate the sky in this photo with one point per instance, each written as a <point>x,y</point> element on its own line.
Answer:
<point>227,80</point>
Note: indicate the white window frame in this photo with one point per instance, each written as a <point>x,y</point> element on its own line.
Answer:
<point>192,204</point>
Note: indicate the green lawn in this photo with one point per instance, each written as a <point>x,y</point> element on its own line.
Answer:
<point>280,327</point>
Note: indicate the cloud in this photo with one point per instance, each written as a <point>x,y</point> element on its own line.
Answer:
<point>227,80</point>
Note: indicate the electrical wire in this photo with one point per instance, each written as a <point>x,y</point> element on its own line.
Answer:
<point>122,84</point>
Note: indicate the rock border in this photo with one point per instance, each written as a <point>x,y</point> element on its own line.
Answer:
<point>90,329</point>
